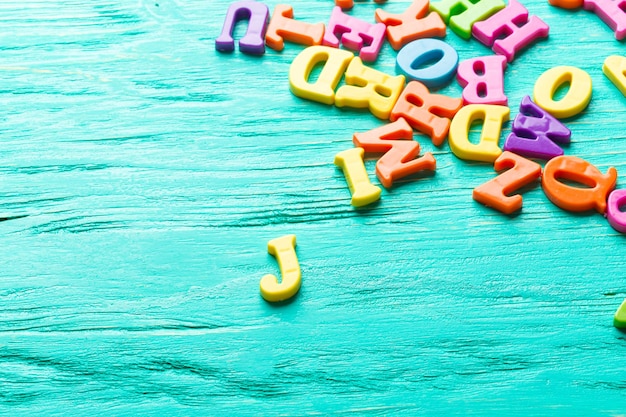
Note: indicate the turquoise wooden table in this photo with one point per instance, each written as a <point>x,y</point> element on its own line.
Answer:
<point>143,174</point>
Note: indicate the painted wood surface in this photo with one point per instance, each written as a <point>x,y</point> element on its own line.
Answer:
<point>143,174</point>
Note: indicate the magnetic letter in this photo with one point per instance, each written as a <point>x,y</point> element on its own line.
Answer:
<point>283,27</point>
<point>368,88</point>
<point>534,132</point>
<point>495,193</point>
<point>577,97</point>
<point>426,112</point>
<point>415,23</point>
<point>612,13</point>
<point>567,4</point>
<point>348,4</point>
<point>619,320</point>
<point>512,22</point>
<point>322,90</point>
<point>256,13</point>
<point>351,163</point>
<point>283,249</point>
<point>615,70</point>
<point>356,35</point>
<point>614,214</point>
<point>578,170</point>
<point>462,14</point>
<point>395,140</point>
<point>415,54</point>
<point>482,80</point>
<point>487,149</point>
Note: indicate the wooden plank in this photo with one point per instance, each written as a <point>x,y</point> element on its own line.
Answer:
<point>143,174</point>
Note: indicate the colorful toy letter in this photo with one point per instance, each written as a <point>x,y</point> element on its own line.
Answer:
<point>426,112</point>
<point>348,4</point>
<point>495,193</point>
<point>619,320</point>
<point>577,97</point>
<point>253,43</point>
<point>351,163</point>
<point>487,149</point>
<point>401,151</point>
<point>614,213</point>
<point>615,69</point>
<point>368,88</point>
<point>567,4</point>
<point>512,22</point>
<point>415,23</point>
<point>322,90</point>
<point>462,14</point>
<point>356,35</point>
<point>578,170</point>
<point>283,249</point>
<point>612,12</point>
<point>283,27</point>
<point>417,53</point>
<point>482,80</point>
<point>534,132</point>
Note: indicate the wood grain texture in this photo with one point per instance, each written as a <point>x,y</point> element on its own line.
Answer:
<point>143,174</point>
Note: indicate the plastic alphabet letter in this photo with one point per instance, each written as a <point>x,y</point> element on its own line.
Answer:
<point>401,151</point>
<point>356,35</point>
<point>487,149</point>
<point>283,27</point>
<point>495,193</point>
<point>512,22</point>
<point>462,14</point>
<point>348,4</point>
<point>256,13</point>
<point>426,112</point>
<point>351,163</point>
<point>614,214</point>
<point>283,249</point>
<point>578,170</point>
<point>615,70</point>
<point>534,132</point>
<point>415,23</point>
<point>619,320</point>
<point>577,97</point>
<point>414,54</point>
<point>322,90</point>
<point>567,4</point>
<point>612,12</point>
<point>482,80</point>
<point>368,88</point>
